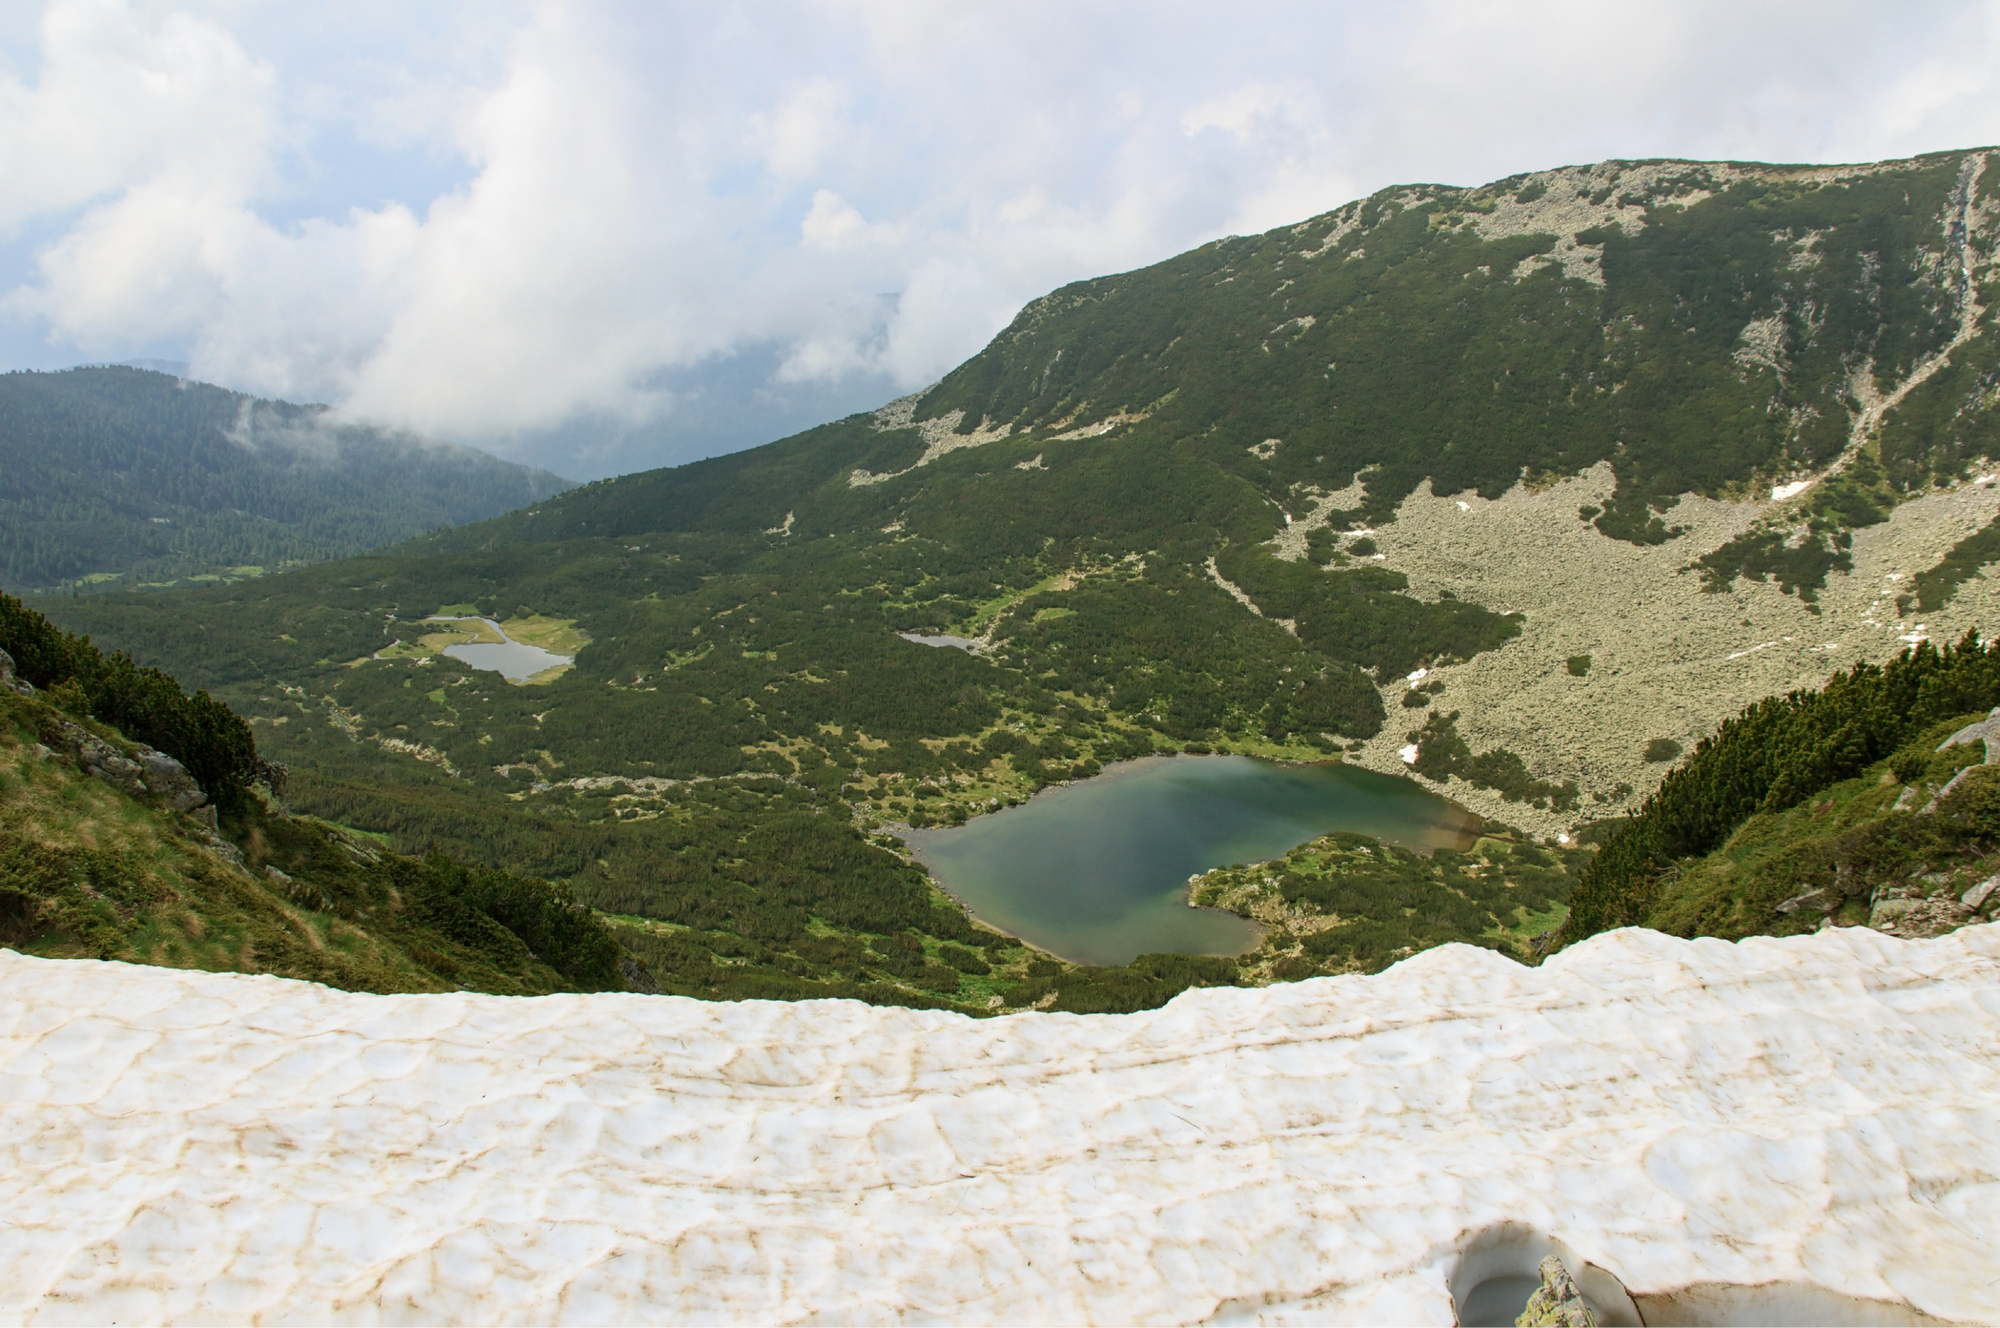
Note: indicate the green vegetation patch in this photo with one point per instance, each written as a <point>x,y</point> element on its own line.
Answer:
<point>1772,758</point>
<point>1797,562</point>
<point>1934,586</point>
<point>1846,849</point>
<point>1348,903</point>
<point>88,871</point>
<point>1442,752</point>
<point>1362,616</point>
<point>204,735</point>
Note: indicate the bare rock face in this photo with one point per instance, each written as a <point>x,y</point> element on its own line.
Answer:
<point>1557,1303</point>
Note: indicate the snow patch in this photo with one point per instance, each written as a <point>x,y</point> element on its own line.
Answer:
<point>185,1146</point>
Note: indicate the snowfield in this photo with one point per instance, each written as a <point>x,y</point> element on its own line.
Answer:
<point>1803,1129</point>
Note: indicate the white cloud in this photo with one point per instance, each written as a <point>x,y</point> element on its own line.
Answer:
<point>831,222</point>
<point>854,195</point>
<point>804,131</point>
<point>117,102</point>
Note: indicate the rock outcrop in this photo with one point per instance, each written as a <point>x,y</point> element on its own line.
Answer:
<point>1987,734</point>
<point>1775,1130</point>
<point>8,678</point>
<point>140,771</point>
<point>1557,1302</point>
<point>144,771</point>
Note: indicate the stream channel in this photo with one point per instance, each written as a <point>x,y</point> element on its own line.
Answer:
<point>1097,871</point>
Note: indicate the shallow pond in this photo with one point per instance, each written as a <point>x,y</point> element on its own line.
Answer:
<point>1097,871</point>
<point>511,659</point>
<point>968,644</point>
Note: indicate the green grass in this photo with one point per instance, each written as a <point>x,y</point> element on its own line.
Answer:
<point>1843,840</point>
<point>88,871</point>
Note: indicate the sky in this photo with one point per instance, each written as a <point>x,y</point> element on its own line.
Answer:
<point>607,235</point>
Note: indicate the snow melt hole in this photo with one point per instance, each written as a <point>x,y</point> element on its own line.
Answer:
<point>1497,1269</point>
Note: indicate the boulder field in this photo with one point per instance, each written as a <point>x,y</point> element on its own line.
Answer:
<point>1795,1130</point>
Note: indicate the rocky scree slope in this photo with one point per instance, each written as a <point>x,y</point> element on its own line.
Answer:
<point>1684,413</point>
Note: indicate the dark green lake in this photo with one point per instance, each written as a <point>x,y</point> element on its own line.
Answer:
<point>1097,872</point>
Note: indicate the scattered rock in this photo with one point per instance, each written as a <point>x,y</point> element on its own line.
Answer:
<point>170,780</point>
<point>1977,896</point>
<point>145,771</point>
<point>101,760</point>
<point>1905,911</point>
<point>1556,1302</point>
<point>361,854</point>
<point>1987,733</point>
<point>225,850</point>
<point>10,680</point>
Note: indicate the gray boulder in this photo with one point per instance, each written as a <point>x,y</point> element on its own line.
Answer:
<point>170,780</point>
<point>10,680</point>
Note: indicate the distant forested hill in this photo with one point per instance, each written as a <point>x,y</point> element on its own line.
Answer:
<point>124,477</point>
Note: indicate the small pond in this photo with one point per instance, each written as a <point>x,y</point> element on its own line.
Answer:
<point>1097,871</point>
<point>513,660</point>
<point>968,644</point>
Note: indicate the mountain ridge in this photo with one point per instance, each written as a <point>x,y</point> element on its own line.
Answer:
<point>117,475</point>
<point>1413,484</point>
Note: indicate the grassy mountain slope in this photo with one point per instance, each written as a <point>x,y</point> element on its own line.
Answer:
<point>1722,845</point>
<point>1701,327</point>
<point>102,856</point>
<point>119,476</point>
<point>1200,506</point>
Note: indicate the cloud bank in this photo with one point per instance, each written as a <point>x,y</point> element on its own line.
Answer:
<point>602,235</point>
